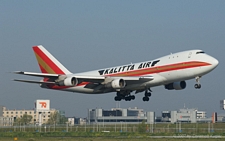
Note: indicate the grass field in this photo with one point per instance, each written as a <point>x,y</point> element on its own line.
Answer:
<point>104,139</point>
<point>139,132</point>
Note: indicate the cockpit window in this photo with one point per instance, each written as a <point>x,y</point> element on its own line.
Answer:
<point>200,52</point>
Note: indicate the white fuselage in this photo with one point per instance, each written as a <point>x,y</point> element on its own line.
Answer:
<point>171,68</point>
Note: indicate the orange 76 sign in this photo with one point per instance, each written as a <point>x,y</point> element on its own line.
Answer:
<point>43,104</point>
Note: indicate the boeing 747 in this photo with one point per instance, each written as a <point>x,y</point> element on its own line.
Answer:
<point>171,71</point>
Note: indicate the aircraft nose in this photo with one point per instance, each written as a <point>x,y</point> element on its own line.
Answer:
<point>215,62</point>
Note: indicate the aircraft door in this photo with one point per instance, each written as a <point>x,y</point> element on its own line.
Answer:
<point>189,54</point>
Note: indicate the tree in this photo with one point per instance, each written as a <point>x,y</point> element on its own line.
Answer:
<point>142,127</point>
<point>62,119</point>
<point>25,119</point>
<point>53,118</point>
<point>17,121</point>
<point>57,118</point>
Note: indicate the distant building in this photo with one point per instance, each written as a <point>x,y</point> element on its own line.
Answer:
<point>5,121</point>
<point>201,114</point>
<point>221,118</point>
<point>184,115</point>
<point>15,114</point>
<point>1,111</point>
<point>40,115</point>
<point>222,104</point>
<point>81,121</point>
<point>119,115</point>
<point>71,120</point>
<point>166,116</point>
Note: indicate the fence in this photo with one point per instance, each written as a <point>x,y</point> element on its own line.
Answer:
<point>186,128</point>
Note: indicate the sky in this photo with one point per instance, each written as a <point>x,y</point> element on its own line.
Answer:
<point>86,35</point>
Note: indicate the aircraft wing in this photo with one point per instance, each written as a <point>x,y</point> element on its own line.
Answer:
<point>80,78</point>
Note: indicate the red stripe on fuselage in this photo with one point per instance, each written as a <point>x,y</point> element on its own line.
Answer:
<point>159,69</point>
<point>52,86</point>
<point>147,71</point>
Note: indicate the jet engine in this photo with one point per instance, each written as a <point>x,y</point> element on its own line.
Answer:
<point>70,81</point>
<point>116,84</point>
<point>176,85</point>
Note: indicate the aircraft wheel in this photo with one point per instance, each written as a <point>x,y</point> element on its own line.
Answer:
<point>117,98</point>
<point>147,94</point>
<point>132,97</point>
<point>197,86</point>
<point>145,98</point>
<point>127,98</point>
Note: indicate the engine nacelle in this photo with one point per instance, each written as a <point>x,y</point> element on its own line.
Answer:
<point>70,81</point>
<point>116,84</point>
<point>176,85</point>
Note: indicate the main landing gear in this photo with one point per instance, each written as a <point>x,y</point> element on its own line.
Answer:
<point>147,95</point>
<point>126,96</point>
<point>197,85</point>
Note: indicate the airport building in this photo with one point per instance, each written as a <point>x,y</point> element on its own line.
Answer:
<point>119,115</point>
<point>185,115</point>
<point>135,115</point>
<point>222,104</point>
<point>221,118</point>
<point>200,114</point>
<point>74,120</point>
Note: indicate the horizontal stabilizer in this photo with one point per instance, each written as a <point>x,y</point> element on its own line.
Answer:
<point>36,74</point>
<point>33,81</point>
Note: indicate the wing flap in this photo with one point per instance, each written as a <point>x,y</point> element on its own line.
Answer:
<point>134,80</point>
<point>99,79</point>
<point>93,79</point>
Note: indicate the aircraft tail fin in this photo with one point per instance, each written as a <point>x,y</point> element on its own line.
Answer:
<point>47,62</point>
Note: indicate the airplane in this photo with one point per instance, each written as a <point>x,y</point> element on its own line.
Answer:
<point>172,71</point>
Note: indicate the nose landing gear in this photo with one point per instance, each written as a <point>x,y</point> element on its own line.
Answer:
<point>198,85</point>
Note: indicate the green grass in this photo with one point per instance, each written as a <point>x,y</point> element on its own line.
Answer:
<point>103,139</point>
<point>130,132</point>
